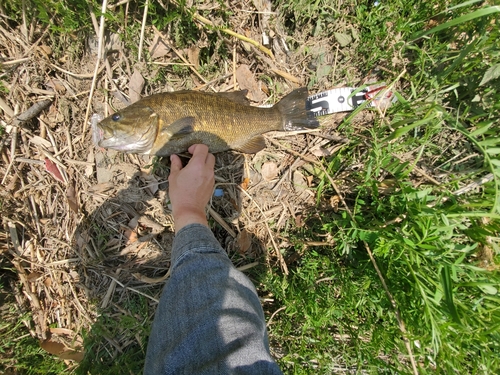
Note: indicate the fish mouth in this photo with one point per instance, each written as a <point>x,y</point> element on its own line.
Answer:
<point>105,137</point>
<point>97,132</point>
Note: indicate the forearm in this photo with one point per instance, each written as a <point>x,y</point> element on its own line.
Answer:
<point>209,318</point>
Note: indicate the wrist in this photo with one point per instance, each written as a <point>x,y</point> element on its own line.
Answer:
<point>188,216</point>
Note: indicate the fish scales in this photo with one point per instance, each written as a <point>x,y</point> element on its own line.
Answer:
<point>168,123</point>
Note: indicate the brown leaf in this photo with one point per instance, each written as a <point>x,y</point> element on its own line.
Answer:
<point>246,81</point>
<point>158,48</point>
<point>52,347</point>
<point>53,170</point>
<point>269,171</point>
<point>299,182</point>
<point>72,198</point>
<point>61,351</point>
<point>334,202</point>
<point>47,282</point>
<point>246,182</point>
<point>194,56</point>
<point>135,86</point>
<point>130,235</point>
<point>244,241</point>
<point>46,50</point>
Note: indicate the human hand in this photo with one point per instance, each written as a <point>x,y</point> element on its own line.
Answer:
<point>191,187</point>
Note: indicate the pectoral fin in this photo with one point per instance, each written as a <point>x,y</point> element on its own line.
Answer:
<point>253,145</point>
<point>179,127</point>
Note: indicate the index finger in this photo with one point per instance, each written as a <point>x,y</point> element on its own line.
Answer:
<point>199,152</point>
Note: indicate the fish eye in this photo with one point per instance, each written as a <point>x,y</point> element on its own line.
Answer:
<point>116,117</point>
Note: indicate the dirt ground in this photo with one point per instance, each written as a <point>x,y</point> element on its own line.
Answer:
<point>83,226</point>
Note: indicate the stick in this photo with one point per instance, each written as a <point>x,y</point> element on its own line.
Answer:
<point>256,44</point>
<point>276,249</point>
<point>96,70</point>
<point>143,28</point>
<point>221,221</point>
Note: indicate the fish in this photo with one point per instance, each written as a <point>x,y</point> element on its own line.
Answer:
<point>169,123</point>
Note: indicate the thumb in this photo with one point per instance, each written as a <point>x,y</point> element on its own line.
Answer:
<point>176,164</point>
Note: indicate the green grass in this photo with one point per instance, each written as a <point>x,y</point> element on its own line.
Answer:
<point>20,353</point>
<point>437,251</point>
<point>428,242</point>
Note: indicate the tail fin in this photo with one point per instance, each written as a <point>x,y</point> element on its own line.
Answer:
<point>293,110</point>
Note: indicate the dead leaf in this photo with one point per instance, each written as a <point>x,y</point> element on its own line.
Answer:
<point>72,198</point>
<point>299,182</point>
<point>89,169</point>
<point>46,50</point>
<point>135,86</point>
<point>269,171</point>
<point>61,351</point>
<point>310,180</point>
<point>246,81</point>
<point>52,347</point>
<point>343,39</point>
<point>130,235</point>
<point>334,202</point>
<point>53,169</point>
<point>101,188</point>
<point>47,282</point>
<point>158,48</point>
<point>244,241</point>
<point>193,54</point>
<point>298,221</point>
<point>56,85</point>
<point>39,141</point>
<point>246,182</point>
<point>75,276</point>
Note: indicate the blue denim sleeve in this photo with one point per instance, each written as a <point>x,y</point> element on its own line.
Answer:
<point>209,319</point>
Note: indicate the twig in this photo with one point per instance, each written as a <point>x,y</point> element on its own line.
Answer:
<point>14,62</point>
<point>133,290</point>
<point>82,76</point>
<point>221,221</point>
<point>256,44</point>
<point>276,249</point>
<point>96,69</point>
<point>143,28</point>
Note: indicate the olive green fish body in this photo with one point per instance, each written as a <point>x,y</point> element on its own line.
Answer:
<point>168,123</point>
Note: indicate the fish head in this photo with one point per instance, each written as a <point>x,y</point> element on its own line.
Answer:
<point>132,130</point>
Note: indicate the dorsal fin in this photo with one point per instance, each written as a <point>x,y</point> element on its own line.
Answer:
<point>239,97</point>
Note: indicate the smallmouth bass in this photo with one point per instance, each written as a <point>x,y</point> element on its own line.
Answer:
<point>169,123</point>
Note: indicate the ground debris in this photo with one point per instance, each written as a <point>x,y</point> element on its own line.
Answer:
<point>85,227</point>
